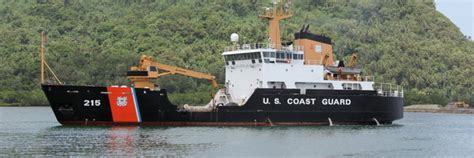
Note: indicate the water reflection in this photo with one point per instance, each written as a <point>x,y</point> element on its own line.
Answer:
<point>120,141</point>
<point>38,139</point>
<point>417,135</point>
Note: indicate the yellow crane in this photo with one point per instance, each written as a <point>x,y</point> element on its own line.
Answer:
<point>353,60</point>
<point>148,70</point>
<point>326,60</point>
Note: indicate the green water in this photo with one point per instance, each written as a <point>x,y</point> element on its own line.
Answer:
<point>33,131</point>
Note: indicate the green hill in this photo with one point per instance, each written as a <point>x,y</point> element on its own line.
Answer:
<point>94,42</point>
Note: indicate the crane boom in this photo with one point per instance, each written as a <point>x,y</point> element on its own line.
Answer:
<point>353,60</point>
<point>148,70</point>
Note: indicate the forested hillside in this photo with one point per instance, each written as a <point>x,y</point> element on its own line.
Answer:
<point>94,42</point>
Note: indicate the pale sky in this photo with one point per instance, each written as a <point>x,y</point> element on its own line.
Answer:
<point>460,12</point>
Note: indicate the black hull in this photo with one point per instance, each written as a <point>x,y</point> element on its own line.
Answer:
<point>88,105</point>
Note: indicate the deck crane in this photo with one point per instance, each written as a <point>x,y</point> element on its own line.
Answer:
<point>148,70</point>
<point>353,60</point>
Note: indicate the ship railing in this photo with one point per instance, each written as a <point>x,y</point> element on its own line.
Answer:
<point>388,90</point>
<point>367,78</point>
<point>357,78</point>
<point>236,47</point>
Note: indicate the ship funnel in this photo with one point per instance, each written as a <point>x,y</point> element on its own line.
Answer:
<point>234,37</point>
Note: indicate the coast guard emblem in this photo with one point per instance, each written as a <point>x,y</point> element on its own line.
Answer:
<point>121,101</point>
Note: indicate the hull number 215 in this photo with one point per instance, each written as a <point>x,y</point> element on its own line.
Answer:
<point>91,102</point>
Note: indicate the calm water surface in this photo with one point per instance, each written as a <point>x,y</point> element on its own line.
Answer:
<point>34,131</point>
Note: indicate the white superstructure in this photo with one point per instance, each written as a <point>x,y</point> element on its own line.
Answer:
<point>248,68</point>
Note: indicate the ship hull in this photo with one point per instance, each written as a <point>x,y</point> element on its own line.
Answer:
<point>89,105</point>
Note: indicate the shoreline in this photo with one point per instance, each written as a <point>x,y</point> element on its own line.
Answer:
<point>6,105</point>
<point>446,111</point>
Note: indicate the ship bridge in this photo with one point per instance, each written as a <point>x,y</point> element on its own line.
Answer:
<point>264,54</point>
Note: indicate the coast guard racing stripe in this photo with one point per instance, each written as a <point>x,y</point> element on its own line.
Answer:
<point>123,104</point>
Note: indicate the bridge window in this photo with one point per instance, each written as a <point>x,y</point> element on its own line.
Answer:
<point>288,55</point>
<point>266,54</point>
<point>297,56</point>
<point>280,55</point>
<point>244,56</point>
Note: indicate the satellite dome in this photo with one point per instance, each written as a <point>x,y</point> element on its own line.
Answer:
<point>234,37</point>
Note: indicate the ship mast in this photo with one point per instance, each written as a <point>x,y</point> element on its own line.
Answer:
<point>279,12</point>
<point>43,40</point>
<point>43,61</point>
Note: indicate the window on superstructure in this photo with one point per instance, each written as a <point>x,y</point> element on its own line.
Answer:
<point>258,55</point>
<point>268,57</point>
<point>318,48</point>
<point>351,86</point>
<point>300,56</point>
<point>266,54</point>
<point>280,55</point>
<point>297,56</point>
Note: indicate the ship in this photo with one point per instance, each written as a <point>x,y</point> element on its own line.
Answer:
<point>266,84</point>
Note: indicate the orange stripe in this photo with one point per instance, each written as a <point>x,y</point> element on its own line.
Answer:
<point>122,104</point>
